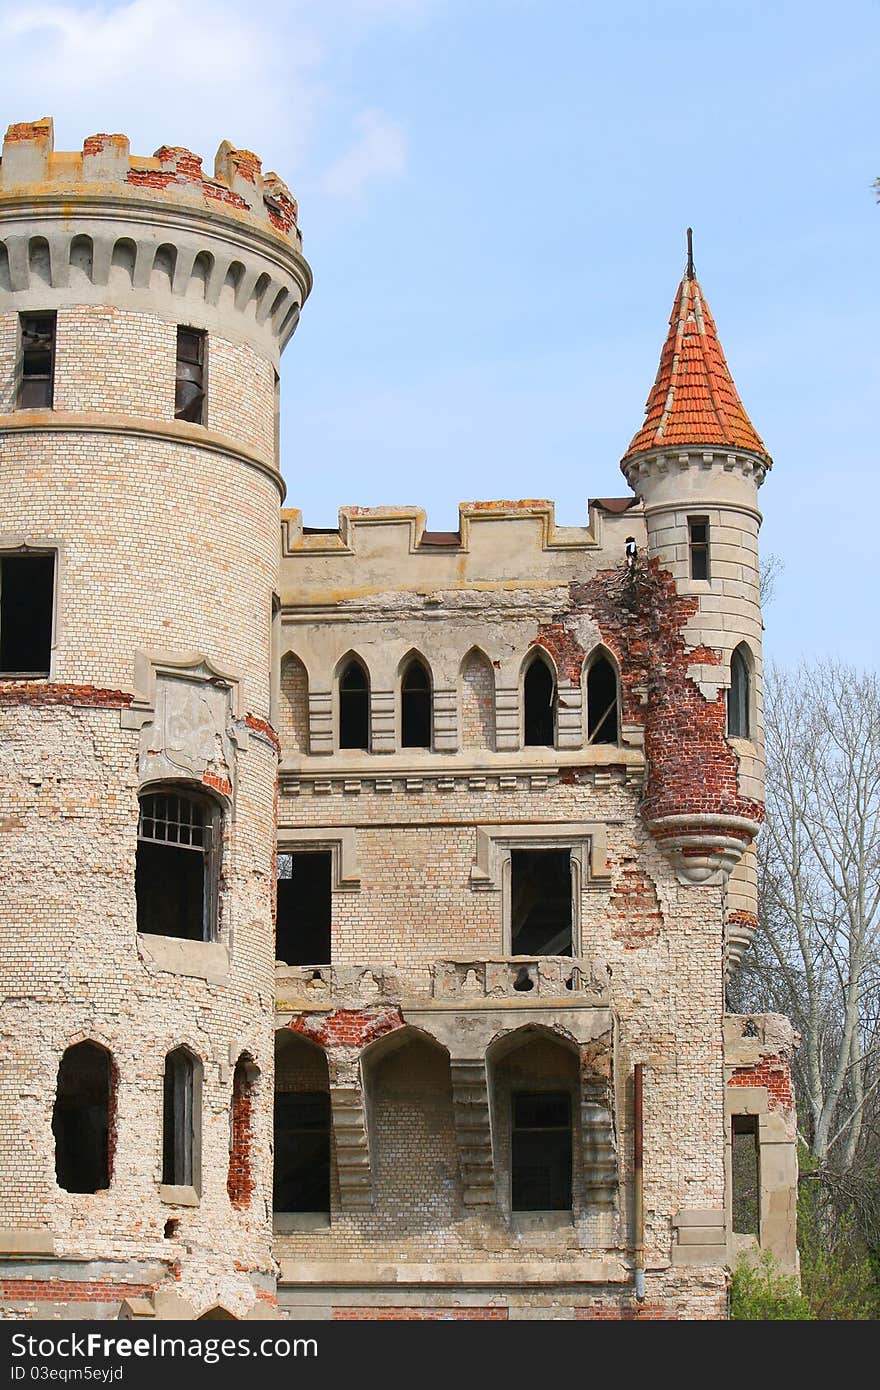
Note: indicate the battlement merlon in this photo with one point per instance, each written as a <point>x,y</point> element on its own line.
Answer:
<point>498,545</point>
<point>235,233</point>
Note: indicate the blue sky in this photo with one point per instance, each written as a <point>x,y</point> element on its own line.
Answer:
<point>493,196</point>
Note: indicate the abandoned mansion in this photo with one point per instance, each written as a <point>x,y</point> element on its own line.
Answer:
<point>367,895</point>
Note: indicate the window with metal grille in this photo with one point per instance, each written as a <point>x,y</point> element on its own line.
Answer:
<point>189,396</point>
<point>27,591</point>
<point>415,706</point>
<point>541,1151</point>
<point>304,907</point>
<point>36,381</point>
<point>180,1119</point>
<point>738,696</point>
<point>354,707</point>
<point>176,870</point>
<point>539,702</point>
<point>602,711</point>
<point>302,1151</point>
<point>698,538</point>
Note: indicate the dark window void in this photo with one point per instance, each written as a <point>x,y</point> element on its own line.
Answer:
<point>302,1151</point>
<point>540,1158</point>
<point>176,866</point>
<point>354,707</point>
<point>305,898</point>
<point>602,720</point>
<point>81,1119</point>
<point>738,696</point>
<point>540,902</point>
<point>415,707</point>
<point>698,536</point>
<point>178,1119</point>
<point>539,690</point>
<point>36,382</point>
<point>189,394</point>
<point>27,584</point>
<point>745,1175</point>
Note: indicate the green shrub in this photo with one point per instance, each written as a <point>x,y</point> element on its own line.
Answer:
<point>763,1293</point>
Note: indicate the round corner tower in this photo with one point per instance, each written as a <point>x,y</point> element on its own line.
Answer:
<point>143,310</point>
<point>696,464</point>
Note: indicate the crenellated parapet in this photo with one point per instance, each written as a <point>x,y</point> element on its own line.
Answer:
<point>157,234</point>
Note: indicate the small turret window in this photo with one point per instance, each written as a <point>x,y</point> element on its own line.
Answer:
<point>189,396</point>
<point>739,694</point>
<point>698,535</point>
<point>36,383</point>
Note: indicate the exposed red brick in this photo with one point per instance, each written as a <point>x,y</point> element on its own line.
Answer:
<point>625,1312</point>
<point>564,647</point>
<point>772,1072</point>
<point>262,726</point>
<point>347,1027</point>
<point>220,784</point>
<point>69,1290</point>
<point>240,1179</point>
<point>51,693</point>
<point>633,907</point>
<point>744,919</point>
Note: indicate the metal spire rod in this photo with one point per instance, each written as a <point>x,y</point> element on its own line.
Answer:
<point>690,264</point>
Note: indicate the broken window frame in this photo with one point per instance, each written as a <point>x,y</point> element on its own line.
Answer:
<point>599,728</point>
<point>211,847</point>
<point>519,1103</point>
<point>181,1120</point>
<point>32,345</point>
<point>530,697</point>
<point>348,714</point>
<point>321,1136</point>
<point>416,705</point>
<point>75,1123</point>
<point>514,930</point>
<point>191,371</point>
<point>745,1127</point>
<point>698,548</point>
<point>578,847</point>
<point>739,694</point>
<point>45,621</point>
<point>293,853</point>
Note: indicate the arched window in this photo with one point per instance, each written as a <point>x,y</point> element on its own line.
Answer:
<point>81,1118</point>
<point>739,694</point>
<point>539,699</point>
<point>415,706</point>
<point>240,1178</point>
<point>181,1128</point>
<point>603,723</point>
<point>177,869</point>
<point>354,707</point>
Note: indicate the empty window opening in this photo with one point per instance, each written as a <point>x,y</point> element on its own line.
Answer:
<point>180,1120</point>
<point>602,713</point>
<point>738,696</point>
<point>27,585</point>
<point>176,865</point>
<point>539,695</point>
<point>81,1119</point>
<point>36,382</point>
<point>240,1178</point>
<point>540,902</point>
<point>745,1176</point>
<point>415,707</point>
<point>189,394</point>
<point>302,1151</point>
<point>354,707</point>
<point>540,1158</point>
<point>698,536</point>
<point>172,1227</point>
<point>304,909</point>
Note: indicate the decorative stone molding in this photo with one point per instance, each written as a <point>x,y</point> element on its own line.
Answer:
<point>352,1145</point>
<point>584,838</point>
<point>185,707</point>
<point>341,841</point>
<point>473,1130</point>
<point>521,977</point>
<point>703,848</point>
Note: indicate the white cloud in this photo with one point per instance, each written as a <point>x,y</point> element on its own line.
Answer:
<point>379,151</point>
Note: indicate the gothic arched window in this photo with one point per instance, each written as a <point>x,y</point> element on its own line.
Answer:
<point>354,707</point>
<point>603,715</point>
<point>415,706</point>
<point>739,694</point>
<point>539,705</point>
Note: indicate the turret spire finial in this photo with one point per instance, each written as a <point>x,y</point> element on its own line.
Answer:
<point>690,265</point>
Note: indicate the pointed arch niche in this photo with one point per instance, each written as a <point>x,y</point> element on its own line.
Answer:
<point>477,701</point>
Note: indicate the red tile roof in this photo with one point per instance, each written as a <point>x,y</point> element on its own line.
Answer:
<point>694,400</point>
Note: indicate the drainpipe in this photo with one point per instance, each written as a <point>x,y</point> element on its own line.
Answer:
<point>638,1183</point>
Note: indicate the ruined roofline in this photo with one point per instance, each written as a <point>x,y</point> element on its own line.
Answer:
<point>409,523</point>
<point>30,167</point>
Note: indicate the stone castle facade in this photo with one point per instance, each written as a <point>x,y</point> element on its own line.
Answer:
<point>366,895</point>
